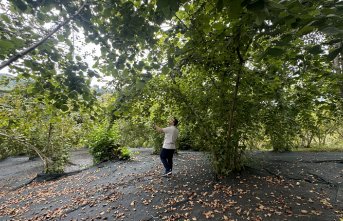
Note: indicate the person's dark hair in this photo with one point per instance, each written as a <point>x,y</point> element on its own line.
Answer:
<point>176,122</point>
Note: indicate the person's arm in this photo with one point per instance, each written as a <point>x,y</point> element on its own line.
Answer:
<point>158,129</point>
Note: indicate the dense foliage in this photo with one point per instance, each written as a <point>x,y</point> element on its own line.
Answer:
<point>238,74</point>
<point>37,128</point>
<point>103,145</point>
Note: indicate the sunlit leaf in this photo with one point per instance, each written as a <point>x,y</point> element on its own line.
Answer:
<point>333,54</point>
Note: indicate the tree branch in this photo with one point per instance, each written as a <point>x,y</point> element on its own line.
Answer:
<point>34,46</point>
<point>40,154</point>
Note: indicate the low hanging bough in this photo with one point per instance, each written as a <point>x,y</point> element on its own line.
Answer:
<point>23,141</point>
<point>40,42</point>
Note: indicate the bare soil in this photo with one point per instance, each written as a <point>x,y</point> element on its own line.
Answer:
<point>274,186</point>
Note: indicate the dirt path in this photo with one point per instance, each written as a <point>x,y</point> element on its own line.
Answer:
<point>16,171</point>
<point>273,187</point>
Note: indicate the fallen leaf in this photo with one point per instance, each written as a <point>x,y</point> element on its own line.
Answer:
<point>288,211</point>
<point>208,214</point>
<point>303,211</point>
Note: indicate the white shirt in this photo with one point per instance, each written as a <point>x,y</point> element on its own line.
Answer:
<point>170,135</point>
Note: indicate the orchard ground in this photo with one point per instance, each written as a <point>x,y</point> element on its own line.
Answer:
<point>274,186</point>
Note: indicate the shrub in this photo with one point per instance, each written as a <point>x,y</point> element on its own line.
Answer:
<point>59,159</point>
<point>123,153</point>
<point>103,145</point>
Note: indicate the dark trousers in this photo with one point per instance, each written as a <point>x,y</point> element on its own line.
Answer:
<point>167,159</point>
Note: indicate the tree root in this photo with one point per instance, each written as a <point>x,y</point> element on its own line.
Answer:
<point>23,185</point>
<point>318,179</point>
<point>321,180</point>
<point>322,161</point>
<point>71,163</point>
<point>41,177</point>
<point>307,161</point>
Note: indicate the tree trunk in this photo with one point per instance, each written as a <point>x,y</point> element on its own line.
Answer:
<point>49,137</point>
<point>338,66</point>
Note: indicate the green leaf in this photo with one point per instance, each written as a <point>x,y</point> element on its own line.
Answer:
<point>219,27</point>
<point>168,7</point>
<point>235,8</point>
<point>64,108</point>
<point>334,41</point>
<point>20,4</point>
<point>259,9</point>
<point>73,95</point>
<point>260,17</point>
<point>60,37</point>
<point>285,40</point>
<point>103,51</point>
<point>332,30</point>
<point>305,30</point>
<point>333,54</point>
<point>165,70</point>
<point>276,5</point>
<point>220,5</point>
<point>140,84</point>
<point>107,12</point>
<point>256,6</point>
<point>117,113</point>
<point>315,50</point>
<point>332,16</point>
<point>5,18</point>
<point>274,51</point>
<point>171,63</point>
<point>6,45</point>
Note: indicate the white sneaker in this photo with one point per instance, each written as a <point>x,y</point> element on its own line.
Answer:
<point>167,174</point>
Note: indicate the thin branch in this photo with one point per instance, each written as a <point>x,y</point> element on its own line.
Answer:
<point>33,47</point>
<point>182,22</point>
<point>235,92</point>
<point>5,91</point>
<point>40,154</point>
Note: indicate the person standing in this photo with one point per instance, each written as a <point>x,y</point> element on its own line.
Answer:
<point>169,145</point>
